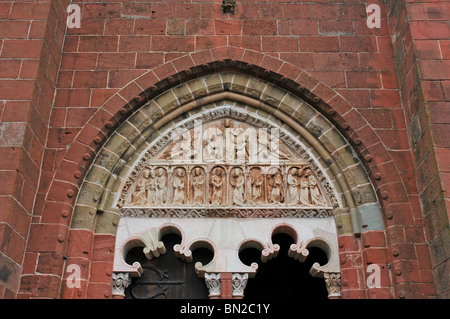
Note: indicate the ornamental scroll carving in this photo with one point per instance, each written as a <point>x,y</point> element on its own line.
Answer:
<point>226,164</point>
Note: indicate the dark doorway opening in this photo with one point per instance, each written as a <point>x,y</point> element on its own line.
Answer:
<point>284,277</point>
<point>168,277</point>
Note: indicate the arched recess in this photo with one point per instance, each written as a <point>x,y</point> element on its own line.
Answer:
<point>332,143</point>
<point>303,126</point>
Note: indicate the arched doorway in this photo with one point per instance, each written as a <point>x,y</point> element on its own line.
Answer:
<point>168,277</point>
<point>138,151</point>
<point>283,277</point>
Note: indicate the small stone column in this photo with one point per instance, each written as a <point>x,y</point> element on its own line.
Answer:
<point>238,282</point>
<point>333,283</point>
<point>120,281</point>
<point>212,281</point>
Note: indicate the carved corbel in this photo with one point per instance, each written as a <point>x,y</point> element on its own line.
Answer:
<point>153,246</point>
<point>332,280</point>
<point>270,251</point>
<point>183,253</point>
<point>298,252</point>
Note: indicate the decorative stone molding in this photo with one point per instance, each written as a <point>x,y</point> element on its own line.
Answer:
<point>153,246</point>
<point>228,236</point>
<point>332,280</point>
<point>226,163</point>
<point>195,212</point>
<point>212,281</point>
<point>120,281</point>
<point>239,282</point>
<point>333,283</point>
<point>219,95</point>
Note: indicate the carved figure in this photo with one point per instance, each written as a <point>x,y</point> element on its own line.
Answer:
<point>139,196</point>
<point>293,186</point>
<point>151,188</point>
<point>198,181</point>
<point>256,186</point>
<point>236,151</point>
<point>160,187</point>
<point>316,196</point>
<point>304,190</point>
<point>217,187</point>
<point>179,194</point>
<point>237,182</point>
<point>212,142</point>
<point>182,149</point>
<point>270,148</point>
<point>276,194</point>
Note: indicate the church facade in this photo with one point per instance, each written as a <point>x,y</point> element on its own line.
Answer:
<point>224,149</point>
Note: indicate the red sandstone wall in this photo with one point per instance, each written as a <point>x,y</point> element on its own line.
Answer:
<point>120,41</point>
<point>31,37</point>
<point>421,33</point>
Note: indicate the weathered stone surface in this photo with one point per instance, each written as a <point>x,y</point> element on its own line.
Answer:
<point>304,114</point>
<point>83,217</point>
<point>9,273</point>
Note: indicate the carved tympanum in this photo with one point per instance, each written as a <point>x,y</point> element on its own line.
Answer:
<point>226,163</point>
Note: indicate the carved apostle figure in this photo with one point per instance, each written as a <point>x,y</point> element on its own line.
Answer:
<point>316,196</point>
<point>256,184</point>
<point>216,187</point>
<point>237,182</point>
<point>212,142</point>
<point>198,181</point>
<point>236,151</point>
<point>304,190</point>
<point>160,187</point>
<point>139,196</point>
<point>293,186</point>
<point>179,195</point>
<point>276,194</point>
<point>182,149</point>
<point>151,188</point>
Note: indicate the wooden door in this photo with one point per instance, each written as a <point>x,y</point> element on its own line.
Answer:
<point>168,277</point>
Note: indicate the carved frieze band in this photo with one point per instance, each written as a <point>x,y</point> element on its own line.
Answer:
<point>226,212</point>
<point>242,186</point>
<point>173,178</point>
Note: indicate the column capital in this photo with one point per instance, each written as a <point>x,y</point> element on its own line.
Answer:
<point>120,281</point>
<point>238,283</point>
<point>212,281</point>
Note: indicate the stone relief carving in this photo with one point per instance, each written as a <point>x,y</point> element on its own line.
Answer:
<point>225,163</point>
<point>275,189</point>
<point>246,186</point>
<point>218,212</point>
<point>179,186</point>
<point>120,281</point>
<point>238,283</point>
<point>237,182</point>
<point>198,185</point>
<point>217,186</point>
<point>212,281</point>
<point>333,283</point>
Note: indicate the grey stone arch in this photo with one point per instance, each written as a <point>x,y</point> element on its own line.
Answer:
<point>322,142</point>
<point>271,100</point>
